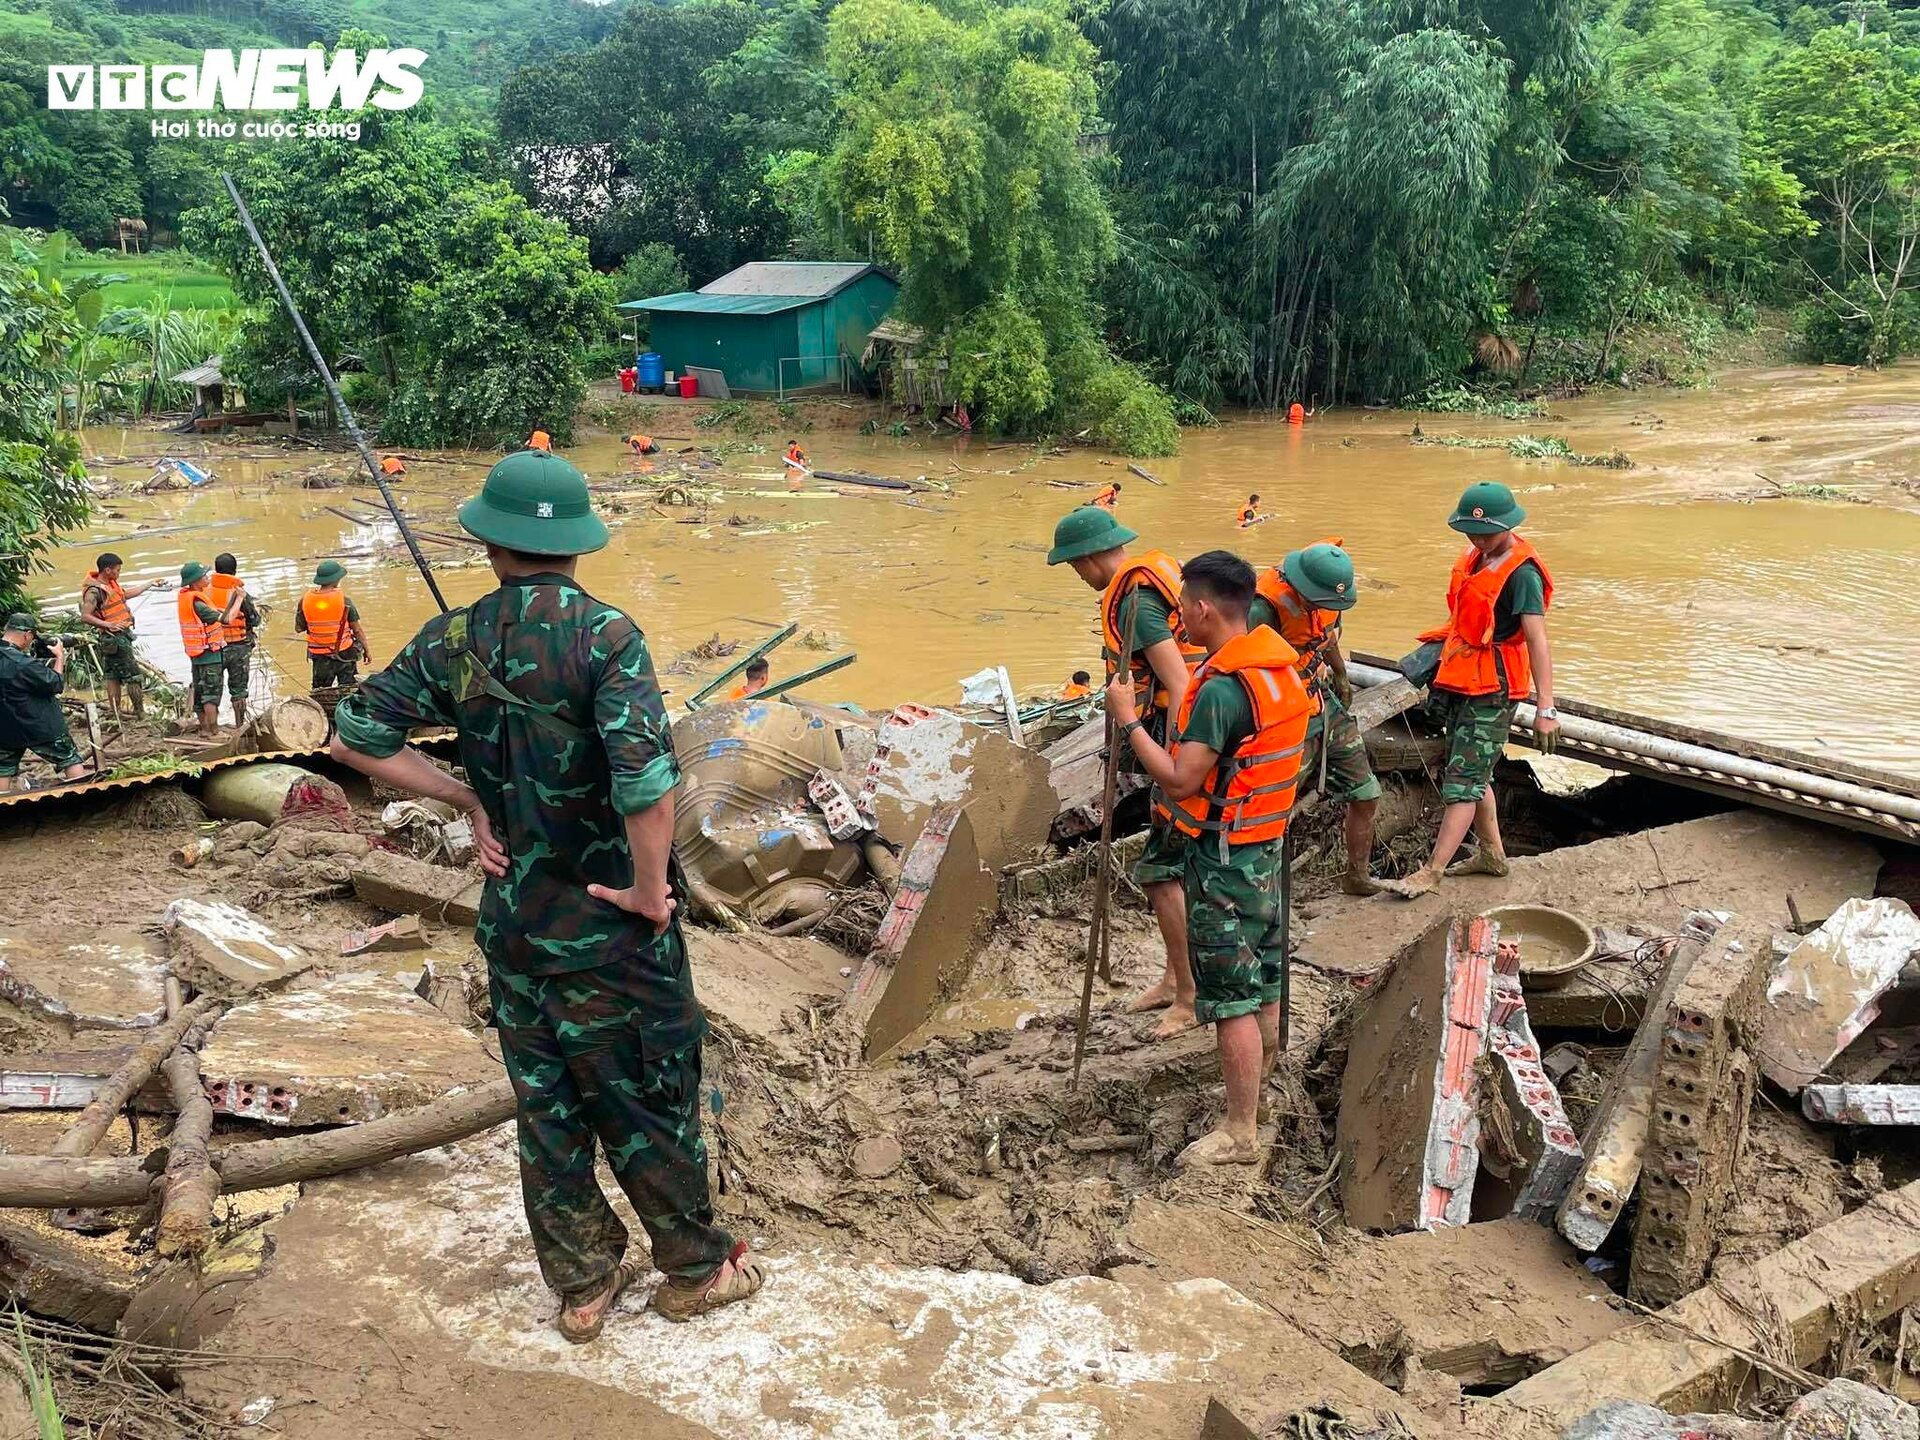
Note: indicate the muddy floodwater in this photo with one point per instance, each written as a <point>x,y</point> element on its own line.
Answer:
<point>1792,620</point>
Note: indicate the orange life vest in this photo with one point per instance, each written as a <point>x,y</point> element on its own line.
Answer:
<point>640,443</point>
<point>796,457</point>
<point>1071,691</point>
<point>1108,497</point>
<point>197,635</point>
<point>392,465</point>
<point>540,440</point>
<point>1248,795</point>
<point>113,604</point>
<point>1472,662</point>
<point>236,628</point>
<point>1160,572</point>
<point>326,617</point>
<point>1247,514</point>
<point>1310,630</point>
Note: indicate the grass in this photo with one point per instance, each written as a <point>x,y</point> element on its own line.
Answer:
<point>185,282</point>
<point>46,1410</point>
<point>1528,447</point>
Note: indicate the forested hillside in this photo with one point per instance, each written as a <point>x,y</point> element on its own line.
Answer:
<point>1107,216</point>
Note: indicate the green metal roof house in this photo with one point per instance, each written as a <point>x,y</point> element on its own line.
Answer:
<point>773,326</point>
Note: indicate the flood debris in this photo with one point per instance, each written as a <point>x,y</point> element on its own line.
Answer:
<point>1539,1152</point>
<point>223,950</point>
<point>1861,1104</point>
<point>1839,1408</point>
<point>1616,1138</point>
<point>1697,1116</point>
<point>1826,990</point>
<point>402,885</point>
<point>1408,1126</point>
<point>1791,1307</point>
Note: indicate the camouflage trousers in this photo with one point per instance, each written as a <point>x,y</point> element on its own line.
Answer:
<point>236,663</point>
<point>1349,772</point>
<point>60,754</point>
<point>584,1070</point>
<point>1233,927</point>
<point>117,658</point>
<point>208,673</point>
<point>1476,736</point>
<point>330,671</point>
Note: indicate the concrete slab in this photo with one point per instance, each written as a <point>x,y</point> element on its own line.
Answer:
<point>115,980</point>
<point>929,758</point>
<point>1408,1127</point>
<point>1697,1123</point>
<point>1861,1104</point>
<point>437,1244</point>
<point>1827,989</point>
<point>222,950</point>
<point>1545,1150</point>
<point>1857,1271</point>
<point>1487,1303</point>
<point>336,1051</point>
<point>403,885</point>
<point>928,937</point>
<point>1744,861</point>
<point>750,982</point>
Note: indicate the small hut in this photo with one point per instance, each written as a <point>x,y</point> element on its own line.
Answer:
<point>897,352</point>
<point>209,388</point>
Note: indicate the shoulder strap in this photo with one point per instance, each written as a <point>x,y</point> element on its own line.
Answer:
<point>471,680</point>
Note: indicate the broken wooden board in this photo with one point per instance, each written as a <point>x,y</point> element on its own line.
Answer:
<point>1616,1139</point>
<point>111,981</point>
<point>1744,861</point>
<point>1697,1122</point>
<point>1858,1270</point>
<point>1408,1126</point>
<point>1827,989</point>
<point>222,950</point>
<point>1488,1303</point>
<point>927,939</point>
<point>403,885</point>
<point>332,1052</point>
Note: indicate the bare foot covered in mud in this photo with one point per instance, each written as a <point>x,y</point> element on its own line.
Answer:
<point>1359,884</point>
<point>1177,1021</point>
<point>1158,997</point>
<point>1419,883</point>
<point>1482,862</point>
<point>1219,1147</point>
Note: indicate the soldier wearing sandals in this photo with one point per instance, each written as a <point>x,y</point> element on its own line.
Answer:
<point>570,778</point>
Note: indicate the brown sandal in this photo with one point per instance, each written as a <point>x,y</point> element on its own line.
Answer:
<point>578,1332</point>
<point>736,1278</point>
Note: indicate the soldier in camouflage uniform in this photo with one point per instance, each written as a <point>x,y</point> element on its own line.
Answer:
<point>570,779</point>
<point>1227,780</point>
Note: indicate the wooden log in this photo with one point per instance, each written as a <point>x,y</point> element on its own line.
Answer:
<point>94,1120</point>
<point>60,1182</point>
<point>191,1184</point>
<point>860,477</point>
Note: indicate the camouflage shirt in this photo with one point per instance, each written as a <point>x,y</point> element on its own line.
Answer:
<point>556,804</point>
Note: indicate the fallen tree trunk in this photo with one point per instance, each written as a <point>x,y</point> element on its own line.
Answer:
<point>191,1184</point>
<point>121,1085</point>
<point>45,1182</point>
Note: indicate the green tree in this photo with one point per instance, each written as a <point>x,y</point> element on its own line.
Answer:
<point>627,143</point>
<point>43,484</point>
<point>496,333</point>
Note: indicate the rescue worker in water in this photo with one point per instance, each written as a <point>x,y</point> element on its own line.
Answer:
<point>1227,782</point>
<point>1494,652</point>
<point>1139,621</point>
<point>753,681</point>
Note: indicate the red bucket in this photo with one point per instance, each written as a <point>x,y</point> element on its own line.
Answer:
<point>627,380</point>
<point>689,387</point>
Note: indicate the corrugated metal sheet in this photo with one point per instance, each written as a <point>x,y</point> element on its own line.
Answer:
<point>18,798</point>
<point>809,279</point>
<point>207,373</point>
<point>692,302</point>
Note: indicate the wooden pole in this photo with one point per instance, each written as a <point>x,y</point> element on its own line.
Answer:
<point>54,1182</point>
<point>1097,943</point>
<point>124,1082</point>
<point>191,1184</point>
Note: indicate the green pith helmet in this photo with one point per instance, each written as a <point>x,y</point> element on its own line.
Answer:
<point>330,572</point>
<point>1324,574</point>
<point>20,623</point>
<point>1087,531</point>
<point>1486,509</point>
<point>536,503</point>
<point>192,573</point>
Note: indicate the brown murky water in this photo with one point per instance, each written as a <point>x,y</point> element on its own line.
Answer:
<point>1795,621</point>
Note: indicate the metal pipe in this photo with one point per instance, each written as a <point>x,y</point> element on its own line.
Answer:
<point>1699,760</point>
<point>339,401</point>
<point>764,647</point>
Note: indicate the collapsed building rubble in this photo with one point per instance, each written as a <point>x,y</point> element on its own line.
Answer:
<point>890,1118</point>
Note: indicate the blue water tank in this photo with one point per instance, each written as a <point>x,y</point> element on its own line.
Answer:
<point>652,366</point>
